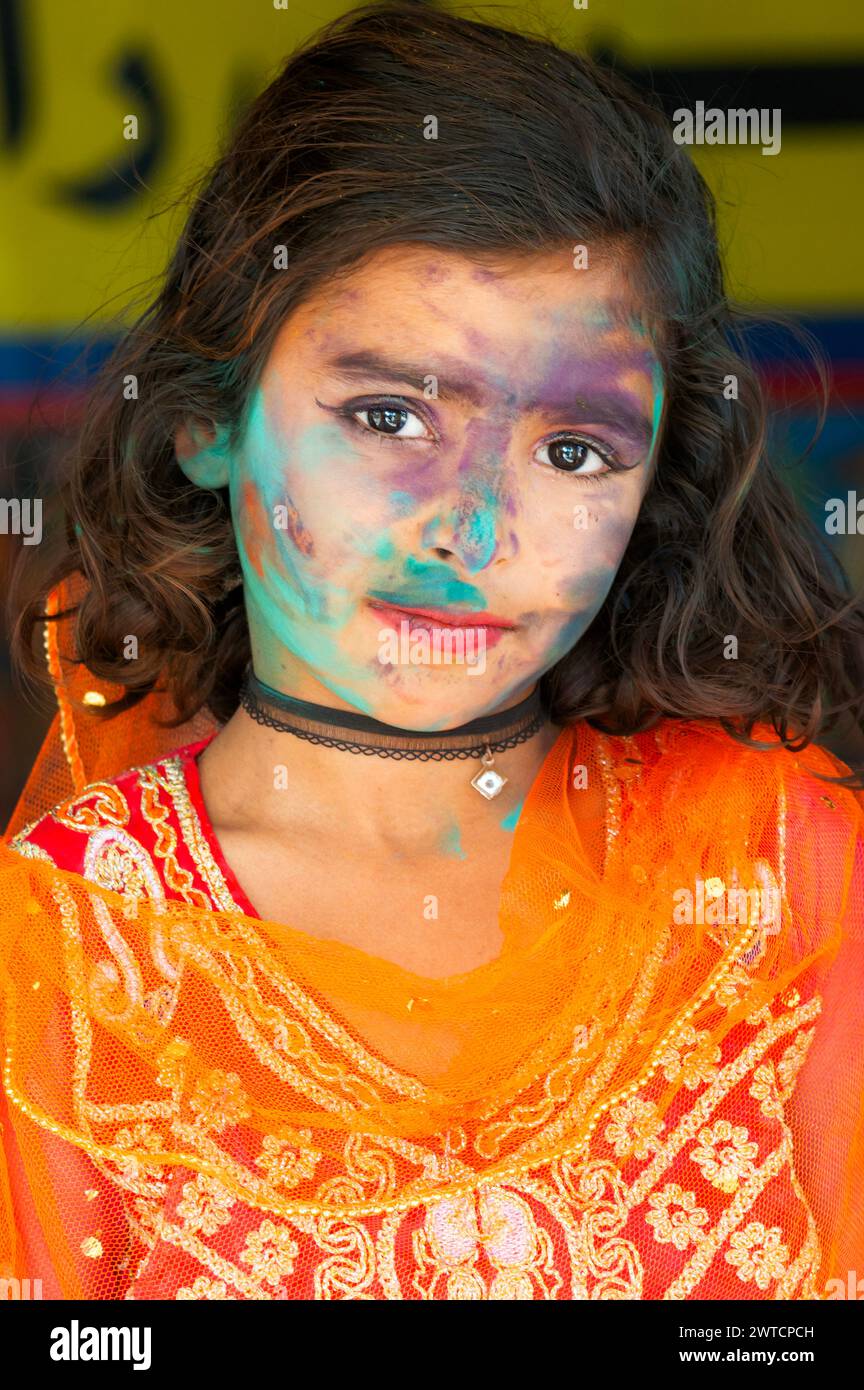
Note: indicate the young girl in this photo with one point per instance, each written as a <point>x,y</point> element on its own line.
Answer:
<point>479,917</point>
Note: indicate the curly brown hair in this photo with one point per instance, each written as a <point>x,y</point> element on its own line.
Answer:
<point>540,148</point>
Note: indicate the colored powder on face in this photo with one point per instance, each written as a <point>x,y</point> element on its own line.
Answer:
<point>259,536</point>
<point>402,503</point>
<point>480,539</point>
<point>436,586</point>
<point>384,549</point>
<point>297,531</point>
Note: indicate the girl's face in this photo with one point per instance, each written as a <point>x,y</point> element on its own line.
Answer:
<point>433,440</point>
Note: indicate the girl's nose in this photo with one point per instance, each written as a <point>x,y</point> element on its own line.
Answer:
<point>477,531</point>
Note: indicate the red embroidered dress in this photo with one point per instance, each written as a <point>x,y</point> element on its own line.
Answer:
<point>702,1195</point>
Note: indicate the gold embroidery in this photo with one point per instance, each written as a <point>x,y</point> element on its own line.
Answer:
<point>288,1159</point>
<point>558,1084</point>
<point>115,860</point>
<point>764,1089</point>
<point>756,1182</point>
<point>194,1246</point>
<point>196,843</point>
<point>206,1205</point>
<point>695,1066</point>
<point>444,1269</point>
<point>142,1136</point>
<point>204,1288</point>
<point>728,1078</point>
<point>245,1006</point>
<point>633,1128</point>
<point>792,1061</point>
<point>220,1100</point>
<point>270,1252</point>
<point>680,1227</point>
<point>758,1254</point>
<point>147,1213</point>
<point>614,1264</point>
<point>730,1075</point>
<point>612,789</point>
<point>174,781</point>
<point>730,991</point>
<point>27,849</point>
<point>101,803</point>
<point>650,969</point>
<point>349,1267</point>
<point>725,1154</point>
<point>179,880</point>
<point>500,1223</point>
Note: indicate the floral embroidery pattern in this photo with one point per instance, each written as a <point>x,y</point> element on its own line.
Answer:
<point>144,1136</point>
<point>220,1100</point>
<point>287,1161</point>
<point>733,988</point>
<point>271,1252</point>
<point>764,1089</point>
<point>680,1227</point>
<point>724,1154</point>
<point>758,1253</point>
<point>206,1205</point>
<point>695,1066</point>
<point>633,1128</point>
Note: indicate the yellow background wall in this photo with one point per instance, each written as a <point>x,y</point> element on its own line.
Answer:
<point>792,222</point>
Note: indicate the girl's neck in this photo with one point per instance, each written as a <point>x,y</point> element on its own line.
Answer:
<point>257,780</point>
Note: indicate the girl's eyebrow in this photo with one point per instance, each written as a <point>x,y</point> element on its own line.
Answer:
<point>466,387</point>
<point>617,409</point>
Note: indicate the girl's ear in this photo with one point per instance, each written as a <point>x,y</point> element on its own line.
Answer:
<point>202,452</point>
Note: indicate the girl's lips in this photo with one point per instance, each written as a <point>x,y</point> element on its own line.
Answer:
<point>488,634</point>
<point>443,617</point>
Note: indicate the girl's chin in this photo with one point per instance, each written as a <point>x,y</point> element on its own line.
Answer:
<point>459,700</point>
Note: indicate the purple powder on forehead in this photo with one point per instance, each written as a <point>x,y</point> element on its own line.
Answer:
<point>596,369</point>
<point>434,273</point>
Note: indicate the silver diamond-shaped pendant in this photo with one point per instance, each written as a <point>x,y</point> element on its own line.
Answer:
<point>487,781</point>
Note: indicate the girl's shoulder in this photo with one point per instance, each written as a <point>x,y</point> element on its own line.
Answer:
<point>697,795</point>
<point>701,761</point>
<point>124,829</point>
<point>710,751</point>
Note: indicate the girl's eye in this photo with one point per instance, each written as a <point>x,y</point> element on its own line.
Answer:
<point>391,421</point>
<point>386,418</point>
<point>583,459</point>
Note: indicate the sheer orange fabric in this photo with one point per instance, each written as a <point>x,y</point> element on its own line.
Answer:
<point>655,1091</point>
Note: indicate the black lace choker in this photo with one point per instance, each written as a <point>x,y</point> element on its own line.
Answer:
<point>493,733</point>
